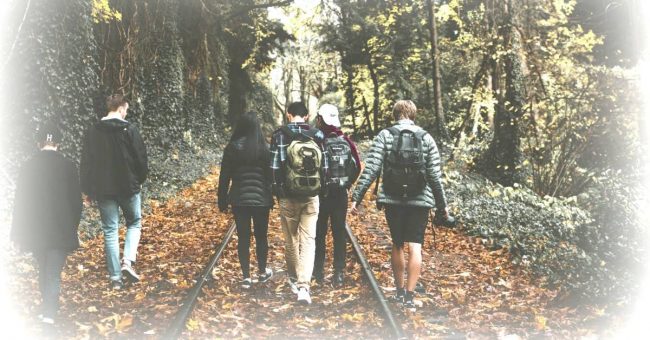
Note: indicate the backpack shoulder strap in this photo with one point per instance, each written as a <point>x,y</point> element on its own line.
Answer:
<point>421,133</point>
<point>394,131</point>
<point>288,132</point>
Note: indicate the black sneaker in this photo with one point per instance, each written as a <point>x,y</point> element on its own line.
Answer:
<point>318,277</point>
<point>409,302</point>
<point>399,295</point>
<point>419,288</point>
<point>247,283</point>
<point>267,275</point>
<point>117,285</point>
<point>129,272</point>
<point>337,280</point>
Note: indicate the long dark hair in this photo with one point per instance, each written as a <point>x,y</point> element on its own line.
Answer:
<point>249,128</point>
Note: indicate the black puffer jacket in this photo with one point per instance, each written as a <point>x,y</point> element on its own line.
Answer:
<point>251,183</point>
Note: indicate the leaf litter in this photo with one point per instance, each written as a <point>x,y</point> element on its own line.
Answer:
<point>470,291</point>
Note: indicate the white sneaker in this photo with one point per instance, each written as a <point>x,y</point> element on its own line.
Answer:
<point>247,283</point>
<point>293,286</point>
<point>303,296</point>
<point>129,272</point>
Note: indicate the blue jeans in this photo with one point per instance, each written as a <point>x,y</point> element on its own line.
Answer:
<point>109,212</point>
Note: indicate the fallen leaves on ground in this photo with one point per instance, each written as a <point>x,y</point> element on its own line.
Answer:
<point>471,292</point>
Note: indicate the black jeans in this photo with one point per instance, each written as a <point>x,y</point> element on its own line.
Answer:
<point>50,265</point>
<point>260,217</point>
<point>333,208</point>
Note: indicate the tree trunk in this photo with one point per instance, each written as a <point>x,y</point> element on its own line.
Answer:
<point>441,125</point>
<point>375,93</point>
<point>240,85</point>
<point>302,78</point>
<point>369,132</point>
<point>502,162</point>
<point>349,96</point>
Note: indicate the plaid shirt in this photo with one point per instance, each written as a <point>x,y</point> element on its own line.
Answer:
<point>279,144</point>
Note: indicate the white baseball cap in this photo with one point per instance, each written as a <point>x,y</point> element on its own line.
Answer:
<point>330,115</point>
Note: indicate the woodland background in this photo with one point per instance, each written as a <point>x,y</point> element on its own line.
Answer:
<point>536,104</point>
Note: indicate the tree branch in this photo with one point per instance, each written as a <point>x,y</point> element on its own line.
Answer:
<point>258,6</point>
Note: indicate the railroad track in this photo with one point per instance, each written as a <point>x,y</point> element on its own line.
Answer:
<point>178,324</point>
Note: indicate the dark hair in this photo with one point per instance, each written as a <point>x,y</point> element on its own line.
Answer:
<point>114,101</point>
<point>297,109</point>
<point>249,128</point>
<point>48,133</point>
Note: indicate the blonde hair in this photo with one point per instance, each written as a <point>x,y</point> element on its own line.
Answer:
<point>404,109</point>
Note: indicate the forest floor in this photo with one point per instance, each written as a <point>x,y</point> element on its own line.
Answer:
<point>471,292</point>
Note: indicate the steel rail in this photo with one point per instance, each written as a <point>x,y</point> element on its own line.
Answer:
<point>379,294</point>
<point>177,325</point>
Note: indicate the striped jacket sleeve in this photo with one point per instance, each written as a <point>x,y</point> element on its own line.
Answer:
<point>434,174</point>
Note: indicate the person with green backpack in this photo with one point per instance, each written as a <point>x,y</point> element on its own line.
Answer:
<point>299,163</point>
<point>411,185</point>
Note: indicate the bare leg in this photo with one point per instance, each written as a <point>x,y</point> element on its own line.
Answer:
<point>397,261</point>
<point>414,265</point>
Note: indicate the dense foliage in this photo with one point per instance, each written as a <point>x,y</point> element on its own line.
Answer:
<point>590,256</point>
<point>178,62</point>
<point>532,99</point>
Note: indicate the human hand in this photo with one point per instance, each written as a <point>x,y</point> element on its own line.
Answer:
<point>353,208</point>
<point>87,201</point>
<point>443,218</point>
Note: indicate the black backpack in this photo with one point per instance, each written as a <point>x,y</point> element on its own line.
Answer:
<point>405,167</point>
<point>342,166</point>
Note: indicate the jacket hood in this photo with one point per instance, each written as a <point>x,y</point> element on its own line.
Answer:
<point>330,129</point>
<point>112,124</point>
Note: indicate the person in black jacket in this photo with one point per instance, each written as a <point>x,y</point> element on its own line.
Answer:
<point>47,210</point>
<point>344,169</point>
<point>113,168</point>
<point>245,164</point>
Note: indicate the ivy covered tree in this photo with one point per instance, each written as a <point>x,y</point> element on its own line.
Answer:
<point>502,162</point>
<point>51,75</point>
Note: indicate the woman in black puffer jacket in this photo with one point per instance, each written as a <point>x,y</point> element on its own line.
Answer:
<point>246,164</point>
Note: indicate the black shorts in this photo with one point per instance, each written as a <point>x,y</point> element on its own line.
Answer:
<point>407,224</point>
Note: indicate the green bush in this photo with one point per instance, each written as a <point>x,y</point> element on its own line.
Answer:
<point>590,246</point>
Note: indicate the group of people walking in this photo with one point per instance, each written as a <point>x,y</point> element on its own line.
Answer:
<point>309,170</point>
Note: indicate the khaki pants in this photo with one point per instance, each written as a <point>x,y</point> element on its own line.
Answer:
<point>298,217</point>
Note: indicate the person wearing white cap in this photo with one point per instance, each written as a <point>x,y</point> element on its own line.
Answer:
<point>344,168</point>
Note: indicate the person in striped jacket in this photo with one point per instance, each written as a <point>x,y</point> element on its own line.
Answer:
<point>407,215</point>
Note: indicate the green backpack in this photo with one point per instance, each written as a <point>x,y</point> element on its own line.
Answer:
<point>302,166</point>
